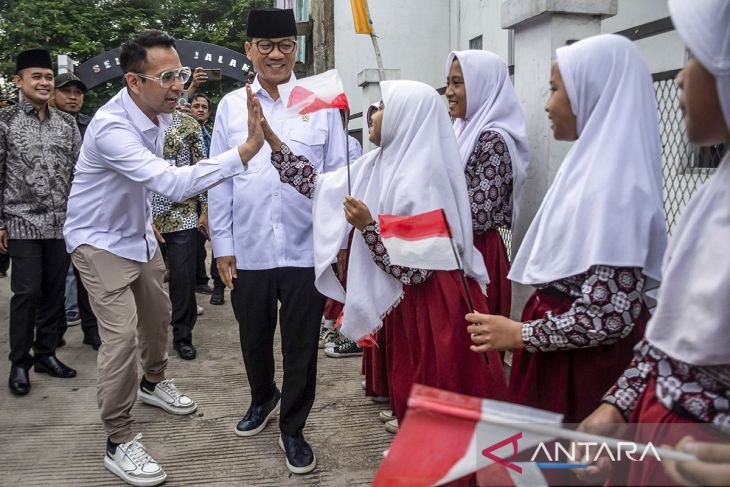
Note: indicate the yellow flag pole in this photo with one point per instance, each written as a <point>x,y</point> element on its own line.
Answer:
<point>376,46</point>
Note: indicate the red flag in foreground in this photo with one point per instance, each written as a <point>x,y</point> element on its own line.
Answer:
<point>314,93</point>
<point>445,436</point>
<point>420,241</point>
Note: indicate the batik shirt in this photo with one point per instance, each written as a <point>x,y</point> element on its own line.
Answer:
<point>608,300</point>
<point>37,161</point>
<point>183,146</point>
<point>489,183</point>
<point>702,393</point>
<point>299,173</point>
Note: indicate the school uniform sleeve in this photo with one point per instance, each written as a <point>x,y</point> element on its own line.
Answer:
<point>406,275</point>
<point>701,392</point>
<point>489,183</point>
<point>625,393</point>
<point>608,303</point>
<point>295,171</point>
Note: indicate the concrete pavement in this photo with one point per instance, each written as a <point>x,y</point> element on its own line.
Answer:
<point>53,436</point>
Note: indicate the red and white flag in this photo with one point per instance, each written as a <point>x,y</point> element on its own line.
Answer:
<point>420,241</point>
<point>446,436</point>
<point>314,93</point>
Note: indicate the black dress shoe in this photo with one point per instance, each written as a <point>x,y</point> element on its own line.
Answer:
<point>258,416</point>
<point>50,365</point>
<point>203,289</point>
<point>185,350</point>
<point>93,340</point>
<point>218,296</point>
<point>19,382</point>
<point>299,455</point>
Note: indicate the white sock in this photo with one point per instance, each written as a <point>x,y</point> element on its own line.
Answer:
<point>329,324</point>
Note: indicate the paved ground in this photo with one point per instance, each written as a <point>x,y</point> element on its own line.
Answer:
<point>53,436</point>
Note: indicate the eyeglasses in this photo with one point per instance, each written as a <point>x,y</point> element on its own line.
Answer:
<point>168,78</point>
<point>266,46</point>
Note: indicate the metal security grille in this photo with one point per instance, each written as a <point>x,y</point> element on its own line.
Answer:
<point>506,235</point>
<point>685,166</point>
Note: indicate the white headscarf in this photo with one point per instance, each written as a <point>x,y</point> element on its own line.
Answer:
<point>491,104</point>
<point>415,170</point>
<point>605,205</point>
<point>692,320</point>
<point>704,26</point>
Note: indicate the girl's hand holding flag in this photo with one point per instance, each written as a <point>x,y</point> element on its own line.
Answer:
<point>357,213</point>
<point>493,333</point>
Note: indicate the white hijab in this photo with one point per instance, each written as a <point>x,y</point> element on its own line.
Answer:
<point>704,26</point>
<point>415,170</point>
<point>605,205</point>
<point>692,320</point>
<point>491,104</point>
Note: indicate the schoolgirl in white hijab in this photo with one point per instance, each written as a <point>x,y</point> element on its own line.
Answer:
<point>416,169</point>
<point>681,371</point>
<point>492,138</point>
<point>596,243</point>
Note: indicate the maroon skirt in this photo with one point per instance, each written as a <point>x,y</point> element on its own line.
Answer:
<point>660,426</point>
<point>429,343</point>
<point>571,382</point>
<point>499,289</point>
<point>332,309</point>
<point>375,365</point>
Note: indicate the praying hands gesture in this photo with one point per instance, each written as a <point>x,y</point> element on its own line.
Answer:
<point>493,333</point>
<point>255,138</point>
<point>357,213</point>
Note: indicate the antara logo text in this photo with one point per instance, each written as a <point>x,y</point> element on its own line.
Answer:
<point>554,455</point>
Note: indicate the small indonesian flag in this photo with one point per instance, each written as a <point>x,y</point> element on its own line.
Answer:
<point>446,436</point>
<point>360,17</point>
<point>314,93</point>
<point>420,241</point>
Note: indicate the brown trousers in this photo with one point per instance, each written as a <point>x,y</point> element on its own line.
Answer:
<point>133,311</point>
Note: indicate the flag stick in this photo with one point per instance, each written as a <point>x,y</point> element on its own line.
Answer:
<point>347,150</point>
<point>376,46</point>
<point>462,274</point>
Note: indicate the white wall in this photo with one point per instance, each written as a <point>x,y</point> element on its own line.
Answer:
<point>480,17</point>
<point>413,35</point>
<point>663,52</point>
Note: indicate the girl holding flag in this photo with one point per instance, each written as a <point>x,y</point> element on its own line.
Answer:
<point>680,374</point>
<point>595,246</point>
<point>413,171</point>
<point>492,137</point>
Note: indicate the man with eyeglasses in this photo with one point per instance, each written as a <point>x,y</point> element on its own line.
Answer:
<point>262,239</point>
<point>112,244</point>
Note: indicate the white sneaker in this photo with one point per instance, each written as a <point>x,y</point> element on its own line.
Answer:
<point>326,336</point>
<point>386,416</point>
<point>335,342</point>
<point>166,396</point>
<point>199,309</point>
<point>134,465</point>
<point>392,426</point>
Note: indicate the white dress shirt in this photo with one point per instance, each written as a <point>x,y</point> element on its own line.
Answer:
<point>354,147</point>
<point>118,166</point>
<point>255,217</point>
